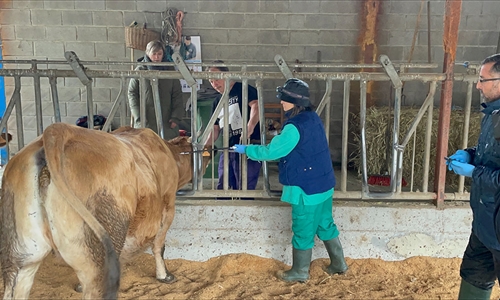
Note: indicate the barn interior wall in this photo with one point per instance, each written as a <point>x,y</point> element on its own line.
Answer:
<point>205,229</point>
<point>234,31</point>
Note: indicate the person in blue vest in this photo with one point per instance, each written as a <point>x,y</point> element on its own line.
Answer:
<point>306,172</point>
<point>481,261</point>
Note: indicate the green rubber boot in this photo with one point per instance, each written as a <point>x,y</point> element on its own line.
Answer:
<point>337,261</point>
<point>300,267</point>
<point>468,291</point>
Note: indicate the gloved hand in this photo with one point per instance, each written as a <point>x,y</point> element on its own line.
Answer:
<point>240,148</point>
<point>462,168</point>
<point>461,156</point>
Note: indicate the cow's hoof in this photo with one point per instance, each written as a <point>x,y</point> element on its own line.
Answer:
<point>78,288</point>
<point>169,279</point>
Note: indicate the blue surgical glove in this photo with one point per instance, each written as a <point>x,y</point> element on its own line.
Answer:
<point>461,156</point>
<point>461,168</point>
<point>239,148</point>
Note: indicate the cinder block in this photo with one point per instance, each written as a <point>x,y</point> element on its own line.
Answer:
<point>273,37</point>
<point>259,21</point>
<point>116,34</point>
<point>338,37</point>
<point>146,5</point>
<point>340,7</point>
<point>16,17</point>
<point>243,6</point>
<point>6,4</point>
<point>91,33</point>
<point>109,50</point>
<point>304,37</point>
<point>121,5</point>
<point>77,109</point>
<point>274,6</point>
<point>47,17</point>
<point>49,49</point>
<point>29,4</point>
<point>485,37</point>
<point>464,37</point>
<point>61,33</point>
<point>230,21</point>
<point>69,94</point>
<point>310,6</point>
<point>99,94</point>
<point>214,6</point>
<point>30,32</point>
<point>215,36</point>
<point>7,33</point>
<point>58,4</point>
<point>82,49</point>
<point>76,17</point>
<point>325,22</point>
<point>90,5</point>
<point>481,22</point>
<point>104,108</point>
<point>391,21</point>
<point>233,53</point>
<point>243,36</point>
<point>200,20</point>
<point>185,6</point>
<point>294,21</point>
<point>107,18</point>
<point>29,108</point>
<point>18,48</point>
<point>107,82</point>
<point>477,53</point>
<point>405,7</point>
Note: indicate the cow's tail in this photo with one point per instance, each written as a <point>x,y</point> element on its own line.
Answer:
<point>54,139</point>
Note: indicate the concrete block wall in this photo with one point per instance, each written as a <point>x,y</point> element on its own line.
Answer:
<point>234,31</point>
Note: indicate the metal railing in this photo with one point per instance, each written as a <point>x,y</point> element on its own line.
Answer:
<point>385,71</point>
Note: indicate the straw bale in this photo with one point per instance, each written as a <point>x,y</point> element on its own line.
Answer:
<point>379,128</point>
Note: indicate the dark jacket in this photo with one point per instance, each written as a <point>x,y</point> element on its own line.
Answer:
<point>309,165</point>
<point>485,179</point>
<point>171,103</point>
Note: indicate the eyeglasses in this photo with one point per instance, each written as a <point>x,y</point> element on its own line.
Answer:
<point>488,79</point>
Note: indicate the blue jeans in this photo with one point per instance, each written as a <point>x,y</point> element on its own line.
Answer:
<point>234,179</point>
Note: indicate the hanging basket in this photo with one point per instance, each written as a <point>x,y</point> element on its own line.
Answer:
<point>138,38</point>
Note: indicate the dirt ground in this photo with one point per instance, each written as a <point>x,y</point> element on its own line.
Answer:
<point>244,276</point>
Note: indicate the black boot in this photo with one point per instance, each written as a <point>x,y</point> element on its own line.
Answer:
<point>468,291</point>
<point>300,267</point>
<point>337,261</point>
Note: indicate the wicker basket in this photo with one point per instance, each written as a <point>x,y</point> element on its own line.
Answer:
<point>138,38</point>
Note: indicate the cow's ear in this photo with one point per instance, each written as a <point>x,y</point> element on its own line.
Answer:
<point>189,139</point>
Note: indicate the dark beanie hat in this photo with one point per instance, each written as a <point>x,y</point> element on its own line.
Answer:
<point>294,91</point>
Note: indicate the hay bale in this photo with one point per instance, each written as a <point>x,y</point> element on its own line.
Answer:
<point>379,127</point>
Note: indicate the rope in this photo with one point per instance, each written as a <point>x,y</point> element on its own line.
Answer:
<point>171,31</point>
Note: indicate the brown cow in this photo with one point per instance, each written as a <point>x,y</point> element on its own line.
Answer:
<point>86,194</point>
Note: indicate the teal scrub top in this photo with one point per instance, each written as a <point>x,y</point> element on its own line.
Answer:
<point>280,146</point>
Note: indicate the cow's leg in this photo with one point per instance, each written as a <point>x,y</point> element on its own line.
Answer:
<point>162,274</point>
<point>24,243</point>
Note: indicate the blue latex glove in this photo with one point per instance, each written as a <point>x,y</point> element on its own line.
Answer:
<point>240,148</point>
<point>461,156</point>
<point>462,168</point>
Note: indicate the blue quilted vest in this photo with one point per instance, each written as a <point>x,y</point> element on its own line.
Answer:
<point>309,165</point>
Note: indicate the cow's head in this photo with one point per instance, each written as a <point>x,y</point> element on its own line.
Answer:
<point>185,150</point>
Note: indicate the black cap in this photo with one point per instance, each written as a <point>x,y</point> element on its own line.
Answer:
<point>294,91</point>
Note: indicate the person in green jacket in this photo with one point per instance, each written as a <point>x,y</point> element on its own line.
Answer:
<point>171,103</point>
<point>306,172</point>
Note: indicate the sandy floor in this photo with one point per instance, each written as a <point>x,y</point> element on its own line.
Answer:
<point>243,276</point>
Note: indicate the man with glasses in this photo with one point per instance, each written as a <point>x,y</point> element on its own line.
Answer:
<point>481,261</point>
